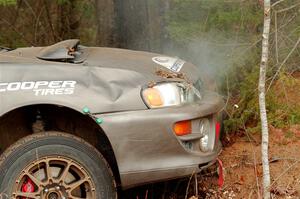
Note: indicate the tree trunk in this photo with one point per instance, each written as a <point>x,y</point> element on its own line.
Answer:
<point>262,99</point>
<point>146,32</point>
<point>105,14</point>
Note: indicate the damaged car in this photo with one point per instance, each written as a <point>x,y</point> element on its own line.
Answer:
<point>85,122</point>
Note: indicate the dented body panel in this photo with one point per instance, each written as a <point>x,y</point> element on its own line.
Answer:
<point>148,149</point>
<point>109,82</point>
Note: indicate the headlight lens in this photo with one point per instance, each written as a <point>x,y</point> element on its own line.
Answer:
<point>204,130</point>
<point>169,94</point>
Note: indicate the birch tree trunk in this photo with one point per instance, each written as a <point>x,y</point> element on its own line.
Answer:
<point>262,99</point>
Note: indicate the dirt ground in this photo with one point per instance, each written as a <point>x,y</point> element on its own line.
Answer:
<point>243,169</point>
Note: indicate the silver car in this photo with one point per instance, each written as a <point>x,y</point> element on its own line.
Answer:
<point>85,122</point>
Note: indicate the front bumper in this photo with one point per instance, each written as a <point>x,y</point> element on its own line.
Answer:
<point>146,147</point>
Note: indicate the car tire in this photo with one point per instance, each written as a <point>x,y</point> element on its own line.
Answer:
<point>56,165</point>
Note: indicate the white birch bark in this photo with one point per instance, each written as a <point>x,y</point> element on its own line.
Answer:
<point>262,99</point>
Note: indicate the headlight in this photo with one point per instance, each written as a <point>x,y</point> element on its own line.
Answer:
<point>205,129</point>
<point>169,94</point>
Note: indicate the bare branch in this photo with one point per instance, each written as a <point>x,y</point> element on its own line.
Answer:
<point>284,172</point>
<point>289,8</point>
<point>276,3</point>
<point>284,61</point>
<point>18,32</point>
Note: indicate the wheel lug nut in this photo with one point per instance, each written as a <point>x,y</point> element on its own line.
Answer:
<point>57,188</point>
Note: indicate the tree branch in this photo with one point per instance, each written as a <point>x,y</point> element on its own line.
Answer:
<point>284,61</point>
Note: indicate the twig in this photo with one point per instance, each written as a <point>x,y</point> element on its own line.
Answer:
<point>188,185</point>
<point>284,172</point>
<point>287,37</point>
<point>250,194</point>
<point>286,9</point>
<point>276,3</point>
<point>285,93</point>
<point>16,16</point>
<point>37,24</point>
<point>255,162</point>
<point>196,185</point>
<point>49,20</point>
<point>3,196</point>
<point>16,31</point>
<point>259,40</point>
<point>284,61</point>
<point>30,8</point>
<point>249,136</point>
<point>228,94</point>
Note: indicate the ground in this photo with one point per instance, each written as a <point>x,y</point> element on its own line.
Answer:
<point>243,169</point>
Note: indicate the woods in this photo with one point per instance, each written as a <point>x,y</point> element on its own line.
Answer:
<point>102,23</point>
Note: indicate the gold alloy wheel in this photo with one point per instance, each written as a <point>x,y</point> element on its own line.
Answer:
<point>54,177</point>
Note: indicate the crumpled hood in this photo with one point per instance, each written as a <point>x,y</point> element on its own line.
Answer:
<point>107,80</point>
<point>141,62</point>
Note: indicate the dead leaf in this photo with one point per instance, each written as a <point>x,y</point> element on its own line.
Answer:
<point>167,74</point>
<point>242,179</point>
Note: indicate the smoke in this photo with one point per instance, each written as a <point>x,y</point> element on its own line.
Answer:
<point>184,29</point>
<point>205,54</point>
<point>214,55</point>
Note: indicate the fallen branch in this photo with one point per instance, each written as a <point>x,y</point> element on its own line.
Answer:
<point>284,172</point>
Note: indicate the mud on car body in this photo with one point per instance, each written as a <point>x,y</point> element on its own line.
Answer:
<point>78,122</point>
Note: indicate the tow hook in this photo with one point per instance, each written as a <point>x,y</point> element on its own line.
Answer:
<point>221,174</point>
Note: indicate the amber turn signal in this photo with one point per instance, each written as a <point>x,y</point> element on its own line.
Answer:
<point>183,128</point>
